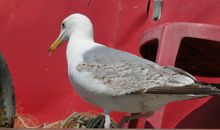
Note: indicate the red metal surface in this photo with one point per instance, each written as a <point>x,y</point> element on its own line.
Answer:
<point>41,82</point>
<point>169,37</point>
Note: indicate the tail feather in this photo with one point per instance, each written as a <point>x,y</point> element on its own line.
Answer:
<point>196,88</point>
<point>217,85</point>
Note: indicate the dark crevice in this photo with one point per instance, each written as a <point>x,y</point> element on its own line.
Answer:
<point>199,57</point>
<point>149,50</point>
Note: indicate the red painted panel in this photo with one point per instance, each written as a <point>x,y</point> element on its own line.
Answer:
<point>41,82</point>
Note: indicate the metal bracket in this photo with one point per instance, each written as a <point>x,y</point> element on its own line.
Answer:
<point>157,9</point>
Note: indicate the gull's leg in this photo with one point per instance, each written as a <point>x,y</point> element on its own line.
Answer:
<point>133,117</point>
<point>107,120</point>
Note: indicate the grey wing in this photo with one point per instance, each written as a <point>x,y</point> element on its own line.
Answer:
<point>125,73</point>
<point>104,55</point>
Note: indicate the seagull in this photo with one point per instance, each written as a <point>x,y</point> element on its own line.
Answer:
<point>119,81</point>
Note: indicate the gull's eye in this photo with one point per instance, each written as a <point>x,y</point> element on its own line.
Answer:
<point>63,25</point>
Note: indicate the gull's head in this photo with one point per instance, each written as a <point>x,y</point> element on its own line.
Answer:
<point>77,25</point>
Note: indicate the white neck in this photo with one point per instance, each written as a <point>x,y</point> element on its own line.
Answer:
<point>76,47</point>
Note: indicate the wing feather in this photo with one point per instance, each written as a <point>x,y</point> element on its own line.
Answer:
<point>125,73</point>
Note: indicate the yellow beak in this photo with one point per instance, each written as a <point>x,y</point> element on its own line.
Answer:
<point>55,45</point>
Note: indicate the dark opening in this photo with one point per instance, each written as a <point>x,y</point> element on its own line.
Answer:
<point>199,57</point>
<point>149,50</point>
